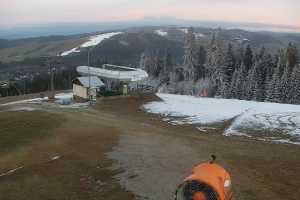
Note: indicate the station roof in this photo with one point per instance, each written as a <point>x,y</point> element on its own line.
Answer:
<point>85,81</point>
<point>114,72</point>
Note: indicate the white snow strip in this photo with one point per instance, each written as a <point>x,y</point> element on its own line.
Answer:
<point>95,40</point>
<point>92,41</point>
<point>35,100</point>
<point>23,108</point>
<point>55,157</point>
<point>75,105</point>
<point>161,32</point>
<point>11,171</point>
<point>60,96</point>
<point>74,50</point>
<point>246,114</point>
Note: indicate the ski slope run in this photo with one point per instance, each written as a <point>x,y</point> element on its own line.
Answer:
<point>92,41</point>
<point>260,120</point>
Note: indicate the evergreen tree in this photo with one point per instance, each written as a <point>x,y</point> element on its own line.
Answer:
<point>200,67</point>
<point>258,82</point>
<point>248,58</point>
<point>233,84</point>
<point>142,64</point>
<point>292,56</point>
<point>238,83</point>
<point>167,67</point>
<point>189,56</point>
<point>227,71</point>
<point>285,86</point>
<point>273,87</point>
<point>158,65</point>
<point>249,85</point>
<point>294,93</point>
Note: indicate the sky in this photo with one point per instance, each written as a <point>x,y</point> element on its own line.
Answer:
<point>25,12</point>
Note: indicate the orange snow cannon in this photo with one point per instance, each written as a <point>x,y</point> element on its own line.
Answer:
<point>208,181</point>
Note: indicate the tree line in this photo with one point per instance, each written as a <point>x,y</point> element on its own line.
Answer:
<point>223,69</point>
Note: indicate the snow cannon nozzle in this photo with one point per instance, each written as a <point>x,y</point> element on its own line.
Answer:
<point>213,159</point>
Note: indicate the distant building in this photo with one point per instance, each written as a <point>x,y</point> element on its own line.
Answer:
<point>115,78</point>
<point>86,87</point>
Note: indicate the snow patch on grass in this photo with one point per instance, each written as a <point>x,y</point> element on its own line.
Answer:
<point>9,172</point>
<point>246,115</point>
<point>60,96</point>
<point>55,157</point>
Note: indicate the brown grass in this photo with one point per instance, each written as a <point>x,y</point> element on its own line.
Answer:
<point>259,170</point>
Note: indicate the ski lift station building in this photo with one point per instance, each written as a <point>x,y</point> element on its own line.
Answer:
<point>114,77</point>
<point>86,87</point>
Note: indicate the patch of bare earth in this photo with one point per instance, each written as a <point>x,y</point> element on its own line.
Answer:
<point>69,163</point>
<point>117,151</point>
<point>155,156</point>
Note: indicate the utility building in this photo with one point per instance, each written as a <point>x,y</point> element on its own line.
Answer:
<point>86,88</point>
<point>116,78</point>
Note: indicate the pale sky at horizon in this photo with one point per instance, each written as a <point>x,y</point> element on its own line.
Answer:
<point>19,12</point>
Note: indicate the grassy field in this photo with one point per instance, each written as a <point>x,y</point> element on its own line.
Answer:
<point>28,139</point>
<point>21,128</point>
<point>158,154</point>
<point>35,49</point>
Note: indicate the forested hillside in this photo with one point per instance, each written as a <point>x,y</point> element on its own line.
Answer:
<point>227,70</point>
<point>261,66</point>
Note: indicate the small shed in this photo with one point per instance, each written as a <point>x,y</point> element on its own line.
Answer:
<point>86,87</point>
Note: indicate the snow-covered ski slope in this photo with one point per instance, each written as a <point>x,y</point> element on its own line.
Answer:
<point>92,41</point>
<point>248,116</point>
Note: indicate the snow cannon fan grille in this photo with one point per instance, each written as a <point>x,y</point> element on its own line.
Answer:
<point>188,190</point>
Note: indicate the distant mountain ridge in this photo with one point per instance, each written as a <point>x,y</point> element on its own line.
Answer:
<point>26,31</point>
<point>29,48</point>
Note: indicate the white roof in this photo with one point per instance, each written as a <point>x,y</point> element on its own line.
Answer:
<point>124,74</point>
<point>92,81</point>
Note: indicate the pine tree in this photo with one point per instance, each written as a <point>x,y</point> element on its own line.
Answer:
<point>269,67</point>
<point>249,85</point>
<point>248,58</point>
<point>273,87</point>
<point>167,67</point>
<point>189,56</point>
<point>285,86</point>
<point>158,65</point>
<point>142,64</point>
<point>294,93</point>
<point>238,83</point>
<point>226,72</point>
<point>292,56</point>
<point>200,66</point>
<point>258,82</point>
